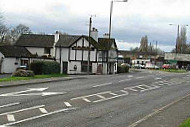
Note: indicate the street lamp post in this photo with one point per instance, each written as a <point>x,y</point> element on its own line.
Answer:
<point>110,21</point>
<point>111,10</point>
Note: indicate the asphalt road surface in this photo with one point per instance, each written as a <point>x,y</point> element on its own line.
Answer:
<point>91,101</point>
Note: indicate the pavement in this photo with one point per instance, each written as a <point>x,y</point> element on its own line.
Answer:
<point>170,115</point>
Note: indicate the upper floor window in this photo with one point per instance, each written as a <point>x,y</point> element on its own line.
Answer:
<point>47,50</point>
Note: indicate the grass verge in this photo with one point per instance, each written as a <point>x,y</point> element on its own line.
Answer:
<point>185,123</point>
<point>174,70</point>
<point>29,78</point>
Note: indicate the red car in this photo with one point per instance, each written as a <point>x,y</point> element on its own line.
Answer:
<point>166,66</point>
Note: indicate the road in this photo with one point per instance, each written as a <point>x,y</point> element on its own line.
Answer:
<point>92,101</point>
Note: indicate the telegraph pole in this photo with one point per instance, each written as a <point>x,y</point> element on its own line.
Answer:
<point>90,25</point>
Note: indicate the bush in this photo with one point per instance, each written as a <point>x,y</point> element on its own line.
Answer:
<point>23,73</point>
<point>45,67</point>
<point>123,69</point>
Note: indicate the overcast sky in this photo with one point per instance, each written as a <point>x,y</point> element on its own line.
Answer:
<point>131,20</point>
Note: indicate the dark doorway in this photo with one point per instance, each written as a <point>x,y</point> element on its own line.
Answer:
<point>65,67</point>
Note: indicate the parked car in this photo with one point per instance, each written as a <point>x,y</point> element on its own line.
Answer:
<point>151,66</point>
<point>23,67</point>
<point>139,66</point>
<point>166,66</point>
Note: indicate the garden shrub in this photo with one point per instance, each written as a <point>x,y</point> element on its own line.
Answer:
<point>123,69</point>
<point>45,67</point>
<point>23,73</point>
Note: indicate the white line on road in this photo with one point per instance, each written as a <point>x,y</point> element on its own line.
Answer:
<point>67,104</point>
<point>10,118</point>
<point>43,110</point>
<point>35,107</point>
<point>37,117</point>
<point>81,97</point>
<point>124,80</point>
<point>8,105</point>
<point>114,94</point>
<point>100,96</point>
<point>139,77</point>
<point>85,99</point>
<point>105,84</point>
<point>130,76</point>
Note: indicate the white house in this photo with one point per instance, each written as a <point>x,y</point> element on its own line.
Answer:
<point>74,52</point>
<point>12,57</point>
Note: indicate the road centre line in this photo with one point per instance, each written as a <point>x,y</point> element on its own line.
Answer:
<point>37,117</point>
<point>139,77</point>
<point>43,110</point>
<point>124,80</point>
<point>11,104</point>
<point>104,84</point>
<point>81,97</point>
<point>110,98</point>
<point>10,118</point>
<point>35,107</point>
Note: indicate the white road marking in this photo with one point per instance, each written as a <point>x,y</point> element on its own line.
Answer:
<point>100,96</point>
<point>124,80</point>
<point>8,105</point>
<point>105,84</point>
<point>158,78</point>
<point>109,98</point>
<point>35,107</point>
<point>130,88</point>
<point>37,117</point>
<point>10,118</point>
<point>43,110</point>
<point>81,97</point>
<point>67,104</point>
<point>85,99</point>
<point>114,94</point>
<point>29,90</point>
<point>130,76</point>
<point>124,92</point>
<point>139,77</point>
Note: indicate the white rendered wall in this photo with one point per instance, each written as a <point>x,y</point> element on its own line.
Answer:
<point>9,66</point>
<point>71,67</point>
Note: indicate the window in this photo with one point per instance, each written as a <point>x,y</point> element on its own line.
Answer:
<point>47,50</point>
<point>84,66</point>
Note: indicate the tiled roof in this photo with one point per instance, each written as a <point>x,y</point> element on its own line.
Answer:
<point>35,40</point>
<point>67,40</point>
<point>107,43</point>
<point>14,51</point>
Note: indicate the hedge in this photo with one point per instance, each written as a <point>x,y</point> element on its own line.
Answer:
<point>122,69</point>
<point>45,67</point>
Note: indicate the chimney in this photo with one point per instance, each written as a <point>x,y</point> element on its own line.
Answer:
<point>106,35</point>
<point>56,39</point>
<point>56,36</point>
<point>94,34</point>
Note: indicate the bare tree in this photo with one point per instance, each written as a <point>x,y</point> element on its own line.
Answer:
<point>3,30</point>
<point>19,30</point>
<point>144,44</point>
<point>181,42</point>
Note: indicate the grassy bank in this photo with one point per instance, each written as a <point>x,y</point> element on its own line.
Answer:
<point>29,78</point>
<point>185,123</point>
<point>174,70</point>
